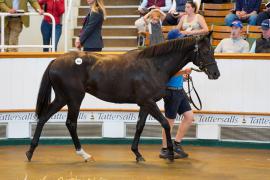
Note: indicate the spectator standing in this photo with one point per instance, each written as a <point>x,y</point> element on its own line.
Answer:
<point>234,44</point>
<point>14,24</point>
<point>57,9</point>
<point>90,36</point>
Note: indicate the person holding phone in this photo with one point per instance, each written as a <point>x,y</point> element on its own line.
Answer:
<point>14,24</point>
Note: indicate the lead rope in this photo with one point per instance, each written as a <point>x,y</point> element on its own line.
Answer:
<point>189,93</point>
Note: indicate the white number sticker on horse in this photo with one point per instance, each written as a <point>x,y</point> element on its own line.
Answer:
<point>78,61</point>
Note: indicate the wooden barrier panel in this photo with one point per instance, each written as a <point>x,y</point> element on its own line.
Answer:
<point>237,101</point>
<point>228,56</point>
<point>215,13</point>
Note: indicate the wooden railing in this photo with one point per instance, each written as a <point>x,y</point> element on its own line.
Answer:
<point>227,56</point>
<point>137,110</point>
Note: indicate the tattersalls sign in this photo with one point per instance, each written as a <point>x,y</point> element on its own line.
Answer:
<point>84,116</point>
<point>248,120</point>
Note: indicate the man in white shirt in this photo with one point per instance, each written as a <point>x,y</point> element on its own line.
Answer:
<point>234,44</point>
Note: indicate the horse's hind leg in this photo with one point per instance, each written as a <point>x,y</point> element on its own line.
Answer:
<point>139,128</point>
<point>53,108</point>
<point>71,123</point>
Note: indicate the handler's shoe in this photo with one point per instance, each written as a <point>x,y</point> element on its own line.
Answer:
<point>164,154</point>
<point>179,151</point>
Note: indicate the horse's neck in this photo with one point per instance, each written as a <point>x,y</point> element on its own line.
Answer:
<point>175,62</point>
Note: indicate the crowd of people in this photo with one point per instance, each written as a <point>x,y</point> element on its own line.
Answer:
<point>184,14</point>
<point>14,24</point>
<point>90,35</point>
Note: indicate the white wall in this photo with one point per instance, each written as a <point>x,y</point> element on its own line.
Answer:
<point>243,86</point>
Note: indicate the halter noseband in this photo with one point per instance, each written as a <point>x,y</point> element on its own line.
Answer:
<point>202,66</point>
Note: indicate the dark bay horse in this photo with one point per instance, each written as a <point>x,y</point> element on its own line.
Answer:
<point>138,76</point>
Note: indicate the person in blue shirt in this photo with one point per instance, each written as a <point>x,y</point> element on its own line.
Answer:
<point>176,101</point>
<point>245,11</point>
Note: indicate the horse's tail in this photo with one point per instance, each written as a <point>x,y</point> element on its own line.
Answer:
<point>44,94</point>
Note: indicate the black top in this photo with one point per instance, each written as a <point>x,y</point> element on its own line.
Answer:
<point>262,45</point>
<point>90,35</point>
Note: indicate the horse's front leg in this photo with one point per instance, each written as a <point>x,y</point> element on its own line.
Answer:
<point>153,109</point>
<point>139,128</point>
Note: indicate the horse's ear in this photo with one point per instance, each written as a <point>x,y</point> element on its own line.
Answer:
<point>209,34</point>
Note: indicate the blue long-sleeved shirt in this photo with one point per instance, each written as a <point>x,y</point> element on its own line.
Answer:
<point>248,5</point>
<point>176,81</point>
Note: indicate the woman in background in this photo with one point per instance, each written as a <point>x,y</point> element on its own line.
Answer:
<point>90,36</point>
<point>57,9</point>
<point>190,24</point>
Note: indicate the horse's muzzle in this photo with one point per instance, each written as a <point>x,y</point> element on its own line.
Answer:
<point>213,76</point>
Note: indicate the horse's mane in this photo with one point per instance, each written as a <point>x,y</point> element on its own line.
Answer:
<point>167,47</point>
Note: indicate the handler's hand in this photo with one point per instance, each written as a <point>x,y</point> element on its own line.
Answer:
<point>12,11</point>
<point>78,43</point>
<point>188,70</point>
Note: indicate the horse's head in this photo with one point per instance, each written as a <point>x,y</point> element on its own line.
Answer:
<point>204,57</point>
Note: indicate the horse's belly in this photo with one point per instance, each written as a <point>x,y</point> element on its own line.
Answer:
<point>112,97</point>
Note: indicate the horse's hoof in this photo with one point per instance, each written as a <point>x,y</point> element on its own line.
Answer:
<point>29,155</point>
<point>171,158</point>
<point>90,159</point>
<point>140,159</point>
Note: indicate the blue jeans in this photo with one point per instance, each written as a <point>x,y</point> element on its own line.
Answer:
<point>232,17</point>
<point>92,49</point>
<point>174,34</point>
<point>46,30</point>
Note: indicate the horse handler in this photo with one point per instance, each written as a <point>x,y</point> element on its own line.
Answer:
<point>176,101</point>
